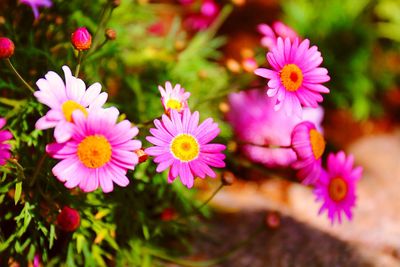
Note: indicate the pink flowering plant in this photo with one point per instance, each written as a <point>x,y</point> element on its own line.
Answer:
<point>109,142</point>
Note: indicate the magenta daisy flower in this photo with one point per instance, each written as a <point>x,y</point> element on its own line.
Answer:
<point>173,97</point>
<point>336,186</point>
<point>183,145</point>
<point>309,145</point>
<point>99,152</point>
<point>64,99</point>
<point>4,147</point>
<point>296,78</point>
<point>35,4</point>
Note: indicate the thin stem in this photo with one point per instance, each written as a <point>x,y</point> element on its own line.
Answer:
<point>10,65</point>
<point>78,67</point>
<point>210,198</point>
<point>38,169</point>
<point>11,102</point>
<point>20,169</point>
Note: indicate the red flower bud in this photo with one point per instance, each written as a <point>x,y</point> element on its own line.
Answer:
<point>6,48</point>
<point>68,219</point>
<point>142,155</point>
<point>81,39</point>
<point>168,214</point>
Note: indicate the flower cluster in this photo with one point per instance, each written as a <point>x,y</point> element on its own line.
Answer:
<point>201,15</point>
<point>180,143</point>
<point>271,135</point>
<point>94,149</point>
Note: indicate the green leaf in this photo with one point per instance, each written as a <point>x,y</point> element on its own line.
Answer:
<point>18,191</point>
<point>52,236</point>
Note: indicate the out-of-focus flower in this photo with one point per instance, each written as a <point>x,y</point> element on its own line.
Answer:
<point>201,19</point>
<point>110,34</point>
<point>168,214</point>
<point>81,39</point>
<point>336,186</point>
<point>173,97</point>
<point>6,48</point>
<point>254,121</point>
<point>5,136</point>
<point>295,79</point>
<point>184,146</point>
<point>68,219</point>
<point>99,152</point>
<point>249,64</point>
<point>156,29</point>
<point>271,34</point>
<point>309,145</point>
<point>35,4</point>
<point>64,99</point>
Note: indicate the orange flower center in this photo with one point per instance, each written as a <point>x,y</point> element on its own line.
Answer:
<point>69,106</point>
<point>94,151</point>
<point>317,143</point>
<point>185,147</point>
<point>337,189</point>
<point>291,77</point>
<point>174,104</point>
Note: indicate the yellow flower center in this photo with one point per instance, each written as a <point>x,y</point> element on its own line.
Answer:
<point>185,147</point>
<point>291,77</point>
<point>94,151</point>
<point>174,104</point>
<point>70,106</point>
<point>337,189</point>
<point>317,143</point>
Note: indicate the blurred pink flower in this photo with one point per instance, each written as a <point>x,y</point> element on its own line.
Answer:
<point>295,79</point>
<point>254,121</point>
<point>271,34</point>
<point>7,48</point>
<point>5,136</point>
<point>336,186</point>
<point>202,18</point>
<point>35,4</point>
<point>183,146</point>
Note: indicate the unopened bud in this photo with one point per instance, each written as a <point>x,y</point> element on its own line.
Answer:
<point>228,178</point>
<point>6,48</point>
<point>273,219</point>
<point>81,39</point>
<point>168,214</point>
<point>141,155</point>
<point>115,3</point>
<point>68,219</point>
<point>110,34</point>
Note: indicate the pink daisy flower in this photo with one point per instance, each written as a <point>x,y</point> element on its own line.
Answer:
<point>35,4</point>
<point>254,121</point>
<point>309,145</point>
<point>336,186</point>
<point>270,34</point>
<point>183,145</point>
<point>64,99</point>
<point>173,98</point>
<point>296,78</point>
<point>99,152</point>
<point>4,147</point>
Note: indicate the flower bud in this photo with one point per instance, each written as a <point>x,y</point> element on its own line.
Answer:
<point>81,39</point>
<point>168,214</point>
<point>68,219</point>
<point>6,48</point>
<point>228,178</point>
<point>142,155</point>
<point>273,219</point>
<point>110,34</point>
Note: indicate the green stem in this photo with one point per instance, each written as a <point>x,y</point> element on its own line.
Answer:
<point>105,16</point>
<point>10,65</point>
<point>78,67</point>
<point>11,102</point>
<point>38,169</point>
<point>20,169</point>
<point>210,198</point>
